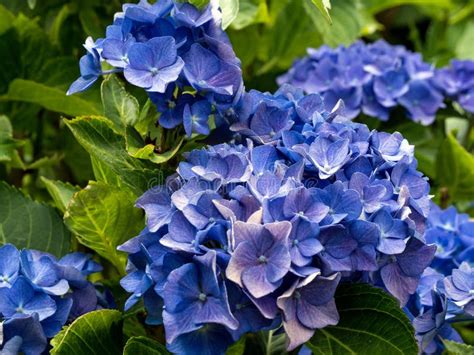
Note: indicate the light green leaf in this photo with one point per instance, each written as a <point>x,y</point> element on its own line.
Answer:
<point>198,3</point>
<point>455,170</point>
<point>347,22</point>
<point>8,144</point>
<point>144,346</point>
<point>375,6</point>
<point>61,192</point>
<point>94,333</point>
<point>104,217</point>
<point>29,224</point>
<point>230,9</point>
<point>323,6</point>
<point>137,148</point>
<point>459,125</point>
<point>107,148</point>
<point>31,4</point>
<point>50,98</point>
<point>119,106</point>
<point>371,322</point>
<point>453,348</point>
<point>251,12</point>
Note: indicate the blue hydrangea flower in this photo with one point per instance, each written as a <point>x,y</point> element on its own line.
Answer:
<point>459,288</point>
<point>154,64</point>
<point>261,257</point>
<point>457,82</point>
<point>195,294</point>
<point>370,78</point>
<point>308,305</point>
<point>22,335</point>
<point>40,294</point>
<point>272,218</point>
<point>166,48</point>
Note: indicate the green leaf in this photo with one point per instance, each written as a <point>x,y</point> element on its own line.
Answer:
<point>61,192</point>
<point>347,22</point>
<point>6,19</point>
<point>371,322</point>
<point>198,3</point>
<point>251,12</point>
<point>31,4</point>
<point>237,348</point>
<point>453,348</point>
<point>323,6</point>
<point>375,6</point>
<point>119,106</point>
<point>29,224</point>
<point>144,346</point>
<point>455,170</point>
<point>50,98</point>
<point>108,150</point>
<point>137,148</point>
<point>230,9</point>
<point>94,333</point>
<point>8,144</point>
<point>104,217</point>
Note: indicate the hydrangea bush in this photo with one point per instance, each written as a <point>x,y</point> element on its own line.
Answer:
<point>234,220</point>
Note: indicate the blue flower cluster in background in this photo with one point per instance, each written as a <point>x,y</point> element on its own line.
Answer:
<point>446,291</point>
<point>39,294</point>
<point>457,83</point>
<point>180,55</point>
<point>246,237</point>
<point>370,78</point>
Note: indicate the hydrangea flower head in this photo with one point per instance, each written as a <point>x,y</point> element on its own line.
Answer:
<point>369,78</point>
<point>268,226</point>
<point>39,294</point>
<point>176,52</point>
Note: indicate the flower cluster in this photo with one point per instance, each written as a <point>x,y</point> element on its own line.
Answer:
<point>446,291</point>
<point>457,83</point>
<point>179,54</point>
<point>248,236</point>
<point>372,78</point>
<point>39,294</point>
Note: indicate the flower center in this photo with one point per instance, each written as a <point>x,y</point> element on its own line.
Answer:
<point>154,71</point>
<point>202,297</point>
<point>262,259</point>
<point>295,242</point>
<point>297,295</point>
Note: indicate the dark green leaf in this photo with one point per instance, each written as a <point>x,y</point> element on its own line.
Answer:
<point>94,333</point>
<point>103,217</point>
<point>119,106</point>
<point>6,19</point>
<point>29,224</point>
<point>371,322</point>
<point>144,346</point>
<point>50,98</point>
<point>61,192</point>
<point>455,170</point>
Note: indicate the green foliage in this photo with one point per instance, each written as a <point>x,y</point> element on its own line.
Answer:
<point>103,217</point>
<point>371,322</point>
<point>144,346</point>
<point>98,332</point>
<point>453,348</point>
<point>61,192</point>
<point>119,106</point>
<point>29,224</point>
<point>455,171</point>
